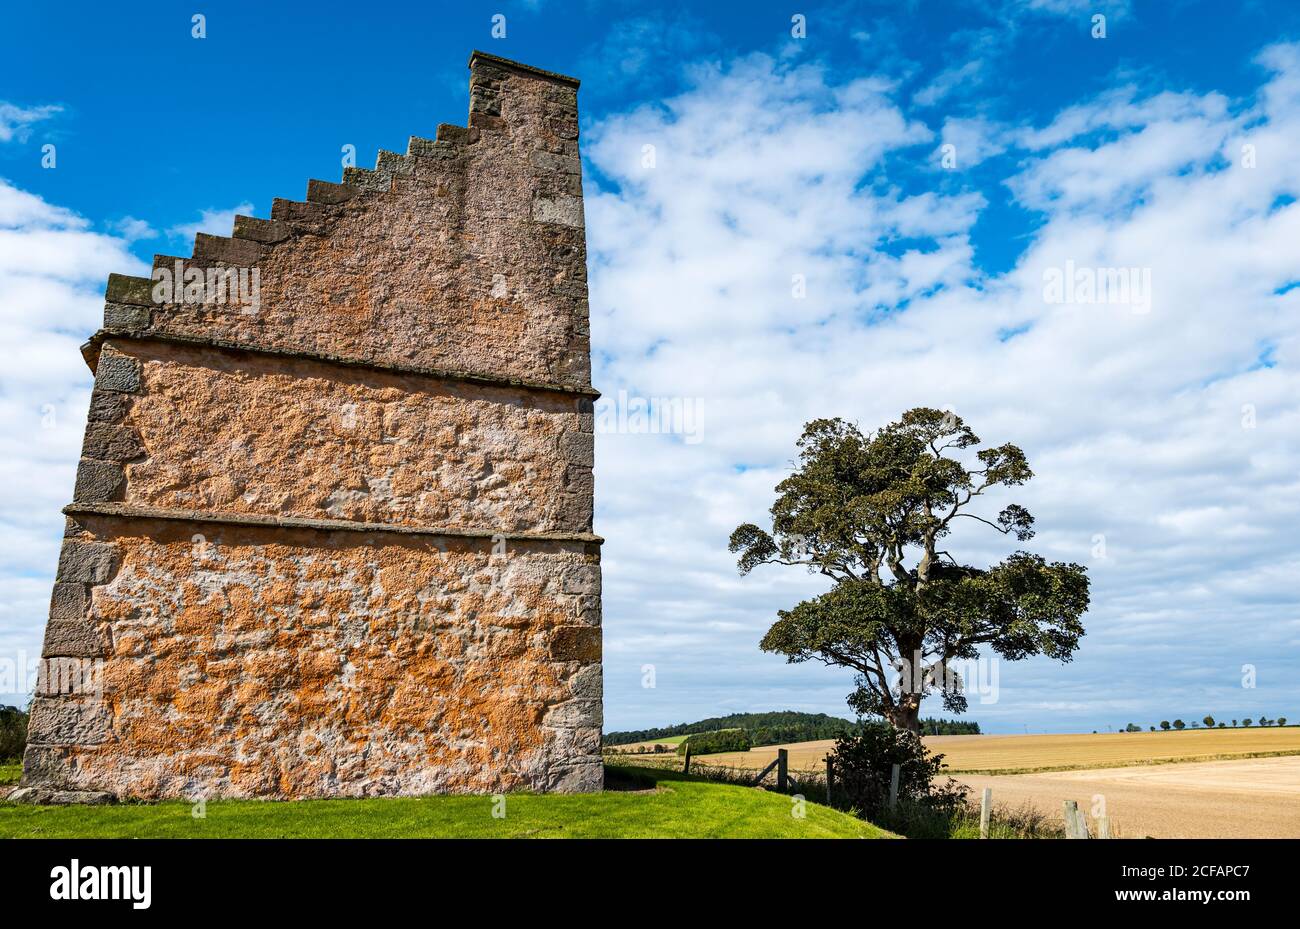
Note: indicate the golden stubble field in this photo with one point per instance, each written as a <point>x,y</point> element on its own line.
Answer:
<point>1195,783</point>
<point>1006,754</point>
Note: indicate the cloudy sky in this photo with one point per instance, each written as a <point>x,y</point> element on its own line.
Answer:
<point>848,222</point>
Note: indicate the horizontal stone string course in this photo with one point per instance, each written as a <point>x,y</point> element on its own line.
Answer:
<point>91,350</point>
<point>127,511</point>
<point>331,533</point>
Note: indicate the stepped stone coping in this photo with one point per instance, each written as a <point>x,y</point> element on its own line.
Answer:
<point>497,60</point>
<point>130,511</point>
<point>90,351</point>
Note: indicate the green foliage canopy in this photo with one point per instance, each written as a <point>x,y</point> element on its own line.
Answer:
<point>871,512</point>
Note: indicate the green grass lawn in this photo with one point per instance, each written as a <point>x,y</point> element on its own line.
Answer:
<point>670,806</point>
<point>11,773</point>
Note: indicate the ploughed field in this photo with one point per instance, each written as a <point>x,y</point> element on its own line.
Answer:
<point>1253,798</point>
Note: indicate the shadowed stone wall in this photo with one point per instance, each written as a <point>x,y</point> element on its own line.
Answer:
<point>337,540</point>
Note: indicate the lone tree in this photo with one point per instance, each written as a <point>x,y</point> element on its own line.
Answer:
<point>871,512</point>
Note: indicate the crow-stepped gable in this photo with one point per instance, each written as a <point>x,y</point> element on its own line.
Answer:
<point>332,527</point>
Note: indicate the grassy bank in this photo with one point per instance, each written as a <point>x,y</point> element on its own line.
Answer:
<point>652,804</point>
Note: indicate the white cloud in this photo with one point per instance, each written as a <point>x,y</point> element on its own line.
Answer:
<point>132,229</point>
<point>212,221</point>
<point>52,274</point>
<point>974,139</point>
<point>16,122</point>
<point>1075,7</point>
<point>948,81</point>
<point>1133,421</point>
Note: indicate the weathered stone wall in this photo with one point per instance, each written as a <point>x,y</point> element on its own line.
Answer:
<point>339,543</point>
<point>354,443</point>
<point>324,663</point>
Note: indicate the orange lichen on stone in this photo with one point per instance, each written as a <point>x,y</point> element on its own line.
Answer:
<point>338,541</point>
<point>312,440</point>
<point>400,708</point>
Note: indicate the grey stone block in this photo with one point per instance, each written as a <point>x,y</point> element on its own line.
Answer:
<point>266,231</point>
<point>583,580</point>
<point>87,562</point>
<point>108,407</point>
<point>562,210</point>
<point>329,192</point>
<point>578,448</point>
<point>97,481</point>
<point>123,288</point>
<point>561,164</point>
<point>573,184</point>
<point>47,766</point>
<point>308,216</point>
<point>66,676</point>
<point>457,135</point>
<point>228,251</point>
<point>117,372</point>
<point>108,442</point>
<point>578,744</point>
<point>69,601</point>
<point>483,100</point>
<point>587,611</point>
<point>581,778</point>
<point>576,643</point>
<point>588,683</point>
<point>484,121</point>
<point>50,796</point>
<point>125,316</point>
<point>575,511</point>
<point>72,638</point>
<point>562,126</point>
<point>65,721</point>
<point>70,632</point>
<point>579,479</point>
<point>574,714</point>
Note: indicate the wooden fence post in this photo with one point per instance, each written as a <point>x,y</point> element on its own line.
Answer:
<point>986,808</point>
<point>1103,827</point>
<point>893,787</point>
<point>782,769</point>
<point>1082,817</point>
<point>830,782</point>
<point>686,765</point>
<point>1072,820</point>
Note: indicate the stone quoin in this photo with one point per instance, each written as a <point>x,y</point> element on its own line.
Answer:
<point>340,543</point>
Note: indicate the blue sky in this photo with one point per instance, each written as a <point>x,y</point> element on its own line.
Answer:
<point>775,156</point>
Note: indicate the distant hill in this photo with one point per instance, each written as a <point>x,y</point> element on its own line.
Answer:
<point>778,727</point>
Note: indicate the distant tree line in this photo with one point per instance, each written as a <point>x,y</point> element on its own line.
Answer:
<point>779,728</point>
<point>949,727</point>
<point>13,733</point>
<point>1208,722</point>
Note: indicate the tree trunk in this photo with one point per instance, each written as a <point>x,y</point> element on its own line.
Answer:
<point>906,714</point>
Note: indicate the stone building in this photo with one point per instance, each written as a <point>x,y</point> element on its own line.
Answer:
<point>332,526</point>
